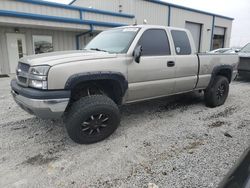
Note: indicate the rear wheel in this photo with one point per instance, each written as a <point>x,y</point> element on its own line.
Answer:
<point>92,119</point>
<point>217,93</point>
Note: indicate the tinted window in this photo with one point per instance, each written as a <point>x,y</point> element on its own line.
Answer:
<point>154,42</point>
<point>181,42</point>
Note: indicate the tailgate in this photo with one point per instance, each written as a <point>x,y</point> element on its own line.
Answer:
<point>244,64</point>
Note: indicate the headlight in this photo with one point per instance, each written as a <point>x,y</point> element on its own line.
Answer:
<point>40,70</point>
<point>38,77</point>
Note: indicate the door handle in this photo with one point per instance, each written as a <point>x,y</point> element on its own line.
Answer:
<point>170,63</point>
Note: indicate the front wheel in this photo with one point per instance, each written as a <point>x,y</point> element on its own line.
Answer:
<point>217,93</point>
<point>92,119</point>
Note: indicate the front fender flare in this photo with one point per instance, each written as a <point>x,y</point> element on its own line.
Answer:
<point>118,77</point>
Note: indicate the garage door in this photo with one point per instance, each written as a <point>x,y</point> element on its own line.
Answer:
<point>219,37</point>
<point>195,30</point>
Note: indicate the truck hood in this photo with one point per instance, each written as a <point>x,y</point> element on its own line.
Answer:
<point>55,58</point>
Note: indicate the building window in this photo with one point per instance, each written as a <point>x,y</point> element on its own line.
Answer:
<point>42,44</point>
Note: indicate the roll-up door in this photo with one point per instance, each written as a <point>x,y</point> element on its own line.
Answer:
<point>219,37</point>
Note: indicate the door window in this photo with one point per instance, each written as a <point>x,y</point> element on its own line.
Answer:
<point>154,42</point>
<point>181,42</point>
<point>20,48</point>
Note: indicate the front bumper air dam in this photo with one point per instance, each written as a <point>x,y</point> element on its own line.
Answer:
<point>43,104</point>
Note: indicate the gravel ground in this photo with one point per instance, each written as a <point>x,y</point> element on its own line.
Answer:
<point>171,142</point>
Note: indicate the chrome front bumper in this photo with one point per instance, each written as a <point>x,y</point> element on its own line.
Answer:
<point>47,108</point>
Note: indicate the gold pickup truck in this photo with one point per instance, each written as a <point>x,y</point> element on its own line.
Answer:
<point>119,66</point>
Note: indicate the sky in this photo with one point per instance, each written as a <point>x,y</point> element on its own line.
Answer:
<point>240,10</point>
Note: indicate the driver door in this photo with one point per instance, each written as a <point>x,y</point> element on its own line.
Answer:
<point>154,75</point>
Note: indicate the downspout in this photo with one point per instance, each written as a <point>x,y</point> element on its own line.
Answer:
<point>82,34</point>
<point>224,39</point>
<point>212,33</point>
<point>169,15</point>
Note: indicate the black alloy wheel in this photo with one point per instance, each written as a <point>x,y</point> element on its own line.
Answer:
<point>95,124</point>
<point>92,119</point>
<point>217,93</point>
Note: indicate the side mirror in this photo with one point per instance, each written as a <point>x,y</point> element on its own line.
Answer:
<point>137,54</point>
<point>237,51</point>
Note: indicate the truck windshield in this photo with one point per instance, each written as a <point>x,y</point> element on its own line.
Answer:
<point>113,41</point>
<point>246,49</point>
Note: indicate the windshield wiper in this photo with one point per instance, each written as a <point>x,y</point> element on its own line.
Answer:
<point>98,49</point>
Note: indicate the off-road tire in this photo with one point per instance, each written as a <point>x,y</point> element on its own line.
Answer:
<point>216,94</point>
<point>83,112</point>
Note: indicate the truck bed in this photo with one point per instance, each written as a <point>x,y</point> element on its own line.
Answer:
<point>207,63</point>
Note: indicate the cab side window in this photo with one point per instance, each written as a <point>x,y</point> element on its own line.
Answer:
<point>154,42</point>
<point>181,42</point>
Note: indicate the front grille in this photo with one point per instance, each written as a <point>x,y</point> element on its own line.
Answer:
<point>23,67</point>
<point>22,74</point>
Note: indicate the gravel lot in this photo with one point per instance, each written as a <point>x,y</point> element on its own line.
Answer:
<point>172,142</point>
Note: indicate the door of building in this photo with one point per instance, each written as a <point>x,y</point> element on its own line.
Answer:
<point>195,30</point>
<point>16,46</point>
<point>219,37</point>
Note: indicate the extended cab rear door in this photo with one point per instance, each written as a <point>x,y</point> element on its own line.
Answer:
<point>186,61</point>
<point>154,75</point>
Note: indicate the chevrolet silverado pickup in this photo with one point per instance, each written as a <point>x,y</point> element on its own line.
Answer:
<point>119,66</point>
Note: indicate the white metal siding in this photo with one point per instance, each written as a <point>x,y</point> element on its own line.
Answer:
<point>37,9</point>
<point>154,13</point>
<point>110,5</point>
<point>107,18</point>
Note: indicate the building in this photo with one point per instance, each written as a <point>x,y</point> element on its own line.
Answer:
<point>34,26</point>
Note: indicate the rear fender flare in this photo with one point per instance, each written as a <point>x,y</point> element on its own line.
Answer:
<point>216,71</point>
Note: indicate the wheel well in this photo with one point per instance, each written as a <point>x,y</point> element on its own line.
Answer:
<point>111,88</point>
<point>226,73</point>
